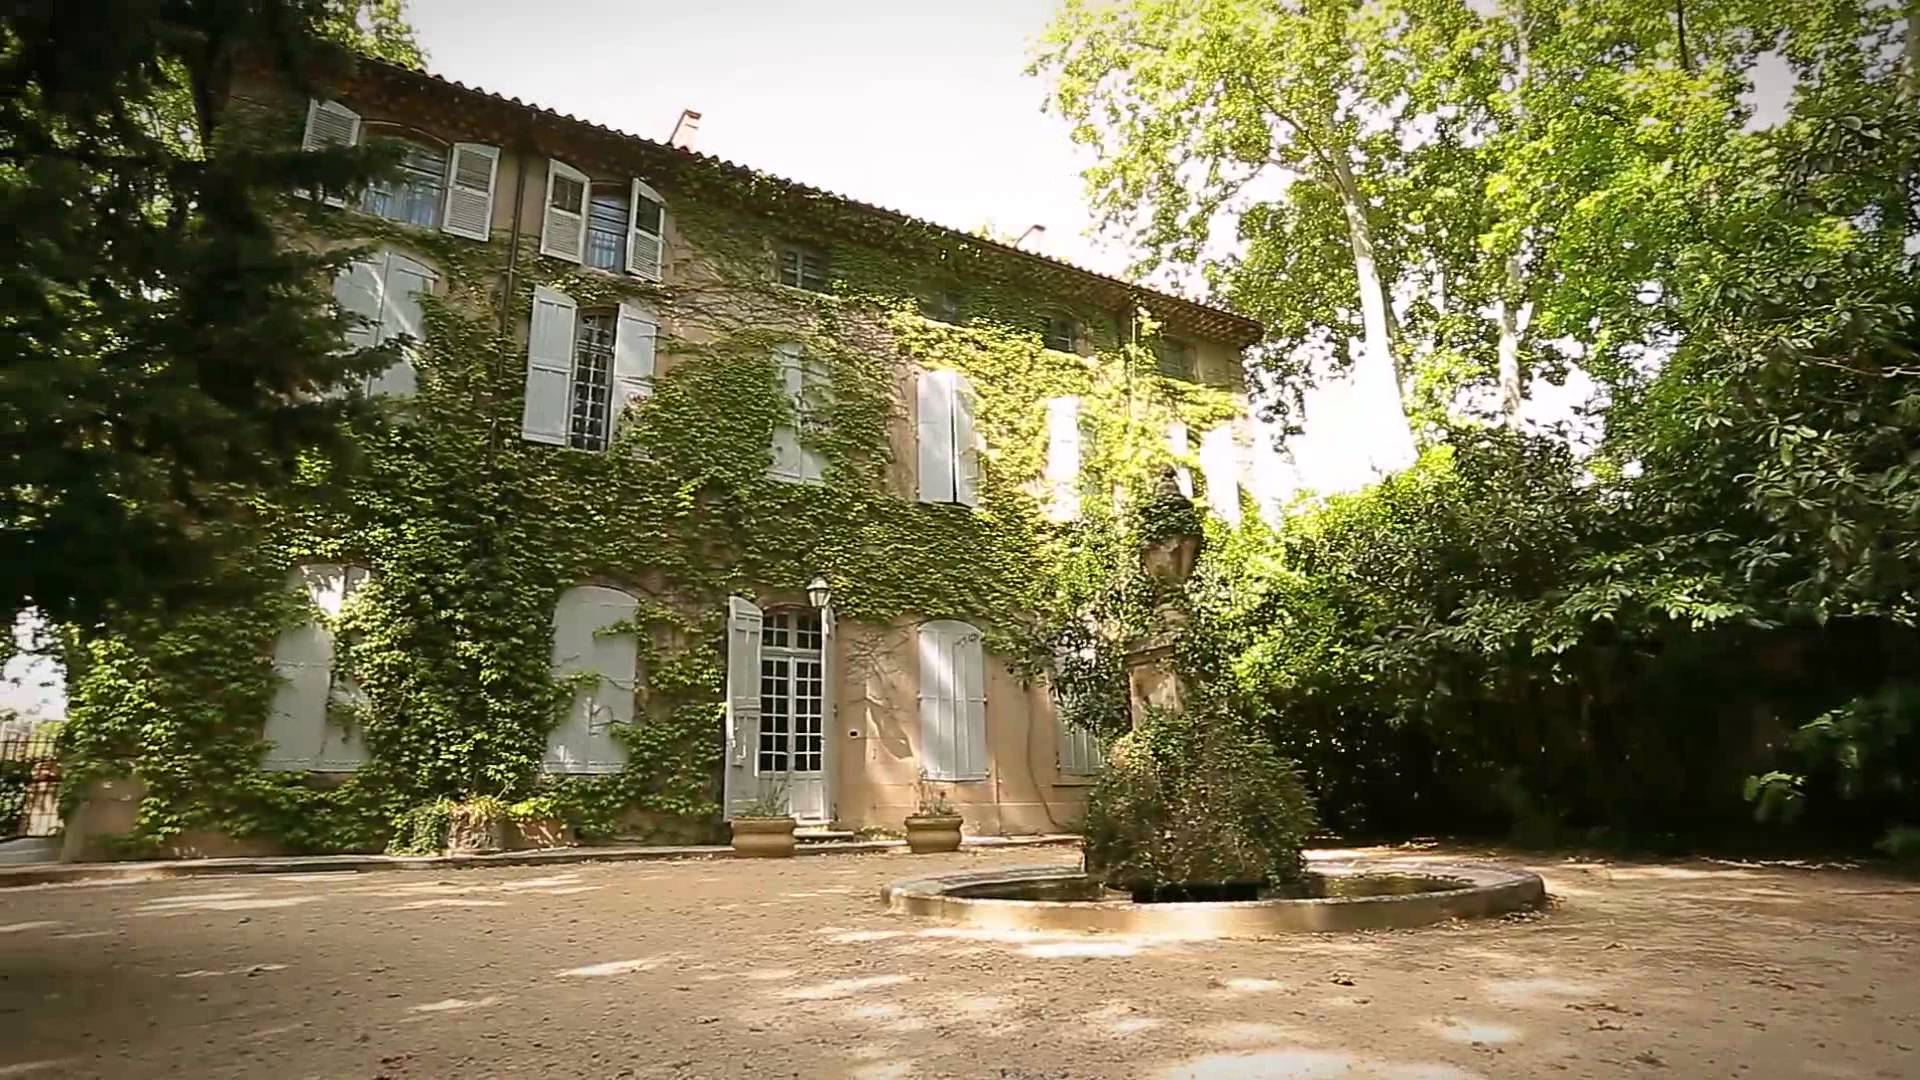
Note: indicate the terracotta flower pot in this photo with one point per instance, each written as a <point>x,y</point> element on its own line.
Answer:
<point>933,833</point>
<point>542,833</point>
<point>763,838</point>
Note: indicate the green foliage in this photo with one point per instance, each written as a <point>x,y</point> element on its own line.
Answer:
<point>1196,797</point>
<point>15,778</point>
<point>422,830</point>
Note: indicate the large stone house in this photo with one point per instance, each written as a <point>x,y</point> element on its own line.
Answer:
<point>776,470</point>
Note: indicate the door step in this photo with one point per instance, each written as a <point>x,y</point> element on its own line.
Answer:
<point>820,836</point>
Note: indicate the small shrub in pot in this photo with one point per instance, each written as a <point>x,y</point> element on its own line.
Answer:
<point>935,825</point>
<point>764,829</point>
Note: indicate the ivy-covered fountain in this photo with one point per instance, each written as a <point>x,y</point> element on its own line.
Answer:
<point>1197,827</point>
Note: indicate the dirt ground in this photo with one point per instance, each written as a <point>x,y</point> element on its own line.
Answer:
<point>792,969</point>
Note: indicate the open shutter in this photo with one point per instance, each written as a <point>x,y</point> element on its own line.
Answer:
<point>815,386</point>
<point>646,232</point>
<point>329,124</point>
<point>966,444</point>
<point>970,714</point>
<point>543,418</point>
<point>471,169</point>
<point>563,233</point>
<point>357,289</point>
<point>1218,463</point>
<point>743,699</point>
<point>342,748</point>
<point>634,342</point>
<point>400,315</point>
<point>1177,446</point>
<point>935,409</point>
<point>788,456</point>
<point>1063,458</point>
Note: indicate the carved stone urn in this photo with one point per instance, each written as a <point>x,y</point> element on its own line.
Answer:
<point>1170,543</point>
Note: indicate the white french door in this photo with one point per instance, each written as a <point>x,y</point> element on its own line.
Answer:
<point>791,749</point>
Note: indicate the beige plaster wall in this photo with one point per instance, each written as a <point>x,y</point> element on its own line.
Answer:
<point>877,742</point>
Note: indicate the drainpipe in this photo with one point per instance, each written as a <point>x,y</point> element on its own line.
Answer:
<point>513,267</point>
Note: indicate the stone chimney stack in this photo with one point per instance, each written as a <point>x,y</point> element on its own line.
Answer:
<point>684,130</point>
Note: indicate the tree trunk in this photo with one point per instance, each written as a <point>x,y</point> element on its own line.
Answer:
<point>1378,369</point>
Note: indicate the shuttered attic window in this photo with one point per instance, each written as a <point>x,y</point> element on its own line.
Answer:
<point>1063,334</point>
<point>802,267</point>
<point>1174,358</point>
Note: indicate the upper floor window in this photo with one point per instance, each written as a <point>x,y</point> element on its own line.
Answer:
<point>1174,358</point>
<point>607,227</point>
<point>944,306</point>
<point>803,267</point>
<point>382,291</point>
<point>583,369</point>
<point>414,194</point>
<point>1063,333</point>
<point>591,411</point>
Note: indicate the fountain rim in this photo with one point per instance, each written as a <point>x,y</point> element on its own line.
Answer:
<point>1485,889</point>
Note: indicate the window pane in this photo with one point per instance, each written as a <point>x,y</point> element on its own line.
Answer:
<point>414,194</point>
<point>1175,358</point>
<point>802,268</point>
<point>776,695</point>
<point>568,193</point>
<point>649,216</point>
<point>1063,334</point>
<point>607,230</point>
<point>592,382</point>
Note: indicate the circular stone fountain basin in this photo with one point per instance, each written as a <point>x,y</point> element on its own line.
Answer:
<point>1370,894</point>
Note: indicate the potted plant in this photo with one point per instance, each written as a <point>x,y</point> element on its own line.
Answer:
<point>477,826</point>
<point>935,825</point>
<point>764,829</point>
<point>538,823</point>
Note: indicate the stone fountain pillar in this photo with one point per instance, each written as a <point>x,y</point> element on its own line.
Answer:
<point>1170,547</point>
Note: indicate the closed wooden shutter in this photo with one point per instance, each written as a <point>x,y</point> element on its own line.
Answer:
<point>543,416</point>
<point>953,742</point>
<point>966,444</point>
<point>1063,458</point>
<point>358,289</point>
<point>635,344</point>
<point>1080,751</point>
<point>299,733</point>
<point>934,407</point>
<point>1177,446</point>
<point>471,171</point>
<point>789,457</point>
<point>646,232</point>
<point>563,232</point>
<point>584,739</point>
<point>1219,465</point>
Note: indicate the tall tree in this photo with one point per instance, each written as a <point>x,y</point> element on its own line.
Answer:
<point>167,357</point>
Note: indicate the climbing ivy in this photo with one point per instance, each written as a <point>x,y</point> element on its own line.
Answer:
<point>470,534</point>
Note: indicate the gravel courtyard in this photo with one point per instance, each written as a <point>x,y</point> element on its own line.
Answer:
<point>791,969</point>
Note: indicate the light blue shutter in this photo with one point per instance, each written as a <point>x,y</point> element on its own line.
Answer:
<point>543,417</point>
<point>1219,465</point>
<point>646,249</point>
<point>1063,458</point>
<point>583,741</point>
<point>966,443</point>
<point>329,124</point>
<point>471,170</point>
<point>934,408</point>
<point>563,231</point>
<point>635,343</point>
<point>1177,446</point>
<point>789,457</point>
<point>744,625</point>
<point>357,288</point>
<point>401,315</point>
<point>953,728</point>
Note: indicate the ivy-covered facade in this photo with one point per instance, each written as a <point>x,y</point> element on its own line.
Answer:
<point>697,491</point>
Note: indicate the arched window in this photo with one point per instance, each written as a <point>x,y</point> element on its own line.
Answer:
<point>413,195</point>
<point>300,733</point>
<point>583,741</point>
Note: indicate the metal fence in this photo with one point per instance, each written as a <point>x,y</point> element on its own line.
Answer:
<point>29,785</point>
<point>35,747</point>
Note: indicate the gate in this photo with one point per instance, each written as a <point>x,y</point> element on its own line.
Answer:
<point>29,785</point>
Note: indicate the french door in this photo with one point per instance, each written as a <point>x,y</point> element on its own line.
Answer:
<point>791,751</point>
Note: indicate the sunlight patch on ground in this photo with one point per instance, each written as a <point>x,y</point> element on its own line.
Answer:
<point>1061,950</point>
<point>447,901</point>
<point>1465,1030</point>
<point>1241,984</point>
<point>1290,1063</point>
<point>250,969</point>
<point>188,906</point>
<point>840,988</point>
<point>37,924</point>
<point>1250,1033</point>
<point>454,1005</point>
<point>886,1016</point>
<point>72,934</point>
<point>884,1070</point>
<point>26,1068</point>
<point>1120,1018</point>
<point>615,967</point>
<point>1539,992</point>
<point>855,937</point>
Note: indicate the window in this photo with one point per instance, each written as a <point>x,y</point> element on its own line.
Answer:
<point>949,454</point>
<point>1081,751</point>
<point>607,228</point>
<point>590,401</point>
<point>584,369</point>
<point>805,379</point>
<point>1063,334</point>
<point>584,740</point>
<point>563,231</point>
<point>953,702</point>
<point>1174,358</point>
<point>944,306</point>
<point>413,195</point>
<point>792,694</point>
<point>300,733</point>
<point>802,267</point>
<point>383,292</point>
